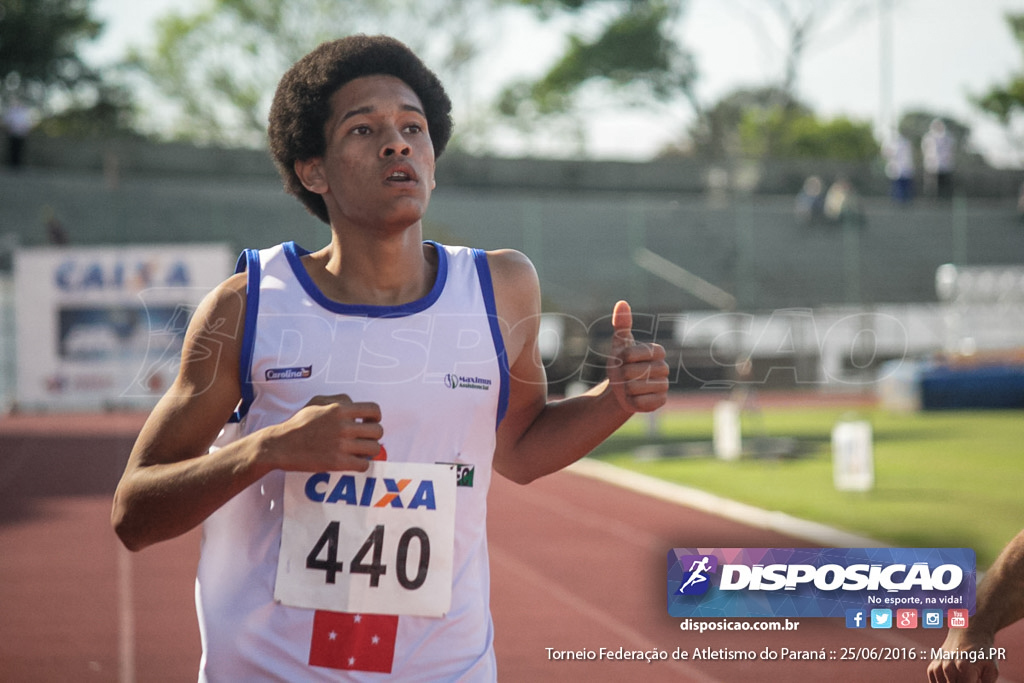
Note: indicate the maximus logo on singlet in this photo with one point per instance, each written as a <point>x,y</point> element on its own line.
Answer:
<point>375,493</point>
<point>289,373</point>
<point>453,381</point>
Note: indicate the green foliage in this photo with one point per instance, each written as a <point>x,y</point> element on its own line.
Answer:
<point>1005,102</point>
<point>208,65</point>
<point>218,66</point>
<point>791,132</point>
<point>633,53</point>
<point>40,65</point>
<point>631,48</point>
<point>716,133</point>
<point>839,138</point>
<point>39,40</point>
<point>549,6</point>
<point>110,114</point>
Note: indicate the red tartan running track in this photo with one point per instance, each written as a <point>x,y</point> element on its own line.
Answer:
<point>577,564</point>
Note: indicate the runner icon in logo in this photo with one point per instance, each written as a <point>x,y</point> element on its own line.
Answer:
<point>695,583</point>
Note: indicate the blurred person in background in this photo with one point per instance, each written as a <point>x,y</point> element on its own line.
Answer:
<point>18,123</point>
<point>809,205</point>
<point>899,168</point>
<point>843,205</point>
<point>938,153</point>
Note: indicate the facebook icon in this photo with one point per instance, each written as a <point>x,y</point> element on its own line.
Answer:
<point>856,618</point>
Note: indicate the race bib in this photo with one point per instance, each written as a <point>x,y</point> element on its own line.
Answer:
<point>374,542</point>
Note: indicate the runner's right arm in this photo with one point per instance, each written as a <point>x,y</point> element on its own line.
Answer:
<point>1000,602</point>
<point>171,484</point>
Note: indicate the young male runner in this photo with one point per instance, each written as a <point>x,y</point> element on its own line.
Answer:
<point>376,346</point>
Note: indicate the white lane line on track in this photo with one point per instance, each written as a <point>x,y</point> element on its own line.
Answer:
<point>749,515</point>
<point>125,616</point>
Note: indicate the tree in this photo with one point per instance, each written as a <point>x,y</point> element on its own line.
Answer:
<point>39,39</point>
<point>1006,102</point>
<point>632,49</point>
<point>793,27</point>
<point>634,55</point>
<point>40,65</point>
<point>769,123</point>
<point>783,135</point>
<point>630,56</point>
<point>717,133</point>
<point>218,67</point>
<point>772,121</point>
<point>107,111</point>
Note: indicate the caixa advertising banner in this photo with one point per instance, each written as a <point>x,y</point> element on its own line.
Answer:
<point>818,582</point>
<point>103,326</point>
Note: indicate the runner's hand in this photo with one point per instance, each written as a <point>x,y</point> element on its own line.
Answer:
<point>329,433</point>
<point>637,372</point>
<point>962,669</point>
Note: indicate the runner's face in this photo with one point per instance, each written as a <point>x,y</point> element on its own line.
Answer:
<point>378,167</point>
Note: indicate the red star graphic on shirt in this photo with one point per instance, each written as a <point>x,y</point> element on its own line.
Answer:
<point>355,642</point>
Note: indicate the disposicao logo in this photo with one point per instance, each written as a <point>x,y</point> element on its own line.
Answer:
<point>817,582</point>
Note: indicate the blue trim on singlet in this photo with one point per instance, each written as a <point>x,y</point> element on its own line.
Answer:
<point>483,270</point>
<point>249,262</point>
<point>294,253</point>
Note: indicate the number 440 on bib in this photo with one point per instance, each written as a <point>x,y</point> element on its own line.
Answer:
<point>342,554</point>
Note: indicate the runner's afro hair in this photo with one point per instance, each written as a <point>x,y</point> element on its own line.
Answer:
<point>302,103</point>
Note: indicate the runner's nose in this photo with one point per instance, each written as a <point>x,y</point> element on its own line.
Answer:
<point>395,144</point>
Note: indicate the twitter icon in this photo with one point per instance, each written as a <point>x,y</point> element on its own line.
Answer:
<point>881,618</point>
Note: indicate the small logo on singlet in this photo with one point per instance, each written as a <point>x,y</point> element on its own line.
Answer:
<point>463,472</point>
<point>289,373</point>
<point>453,381</point>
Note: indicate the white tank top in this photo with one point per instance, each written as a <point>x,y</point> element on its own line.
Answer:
<point>437,368</point>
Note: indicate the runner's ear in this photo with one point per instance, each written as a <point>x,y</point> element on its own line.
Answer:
<point>311,174</point>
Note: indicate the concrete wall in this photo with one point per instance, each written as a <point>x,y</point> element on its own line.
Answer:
<point>581,223</point>
<point>138,157</point>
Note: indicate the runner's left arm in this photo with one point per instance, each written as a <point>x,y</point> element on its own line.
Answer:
<point>539,436</point>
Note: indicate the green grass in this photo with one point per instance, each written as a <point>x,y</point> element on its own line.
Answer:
<point>942,479</point>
